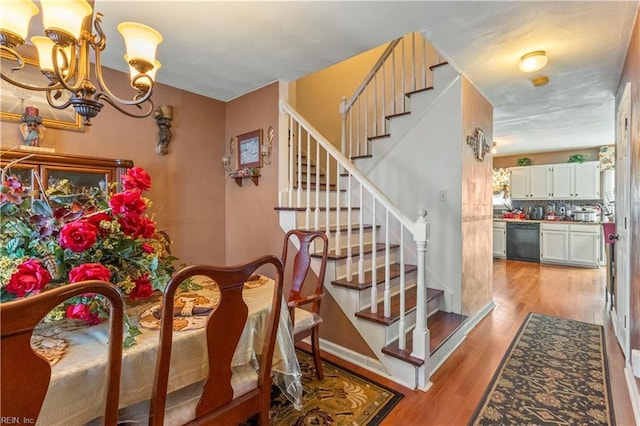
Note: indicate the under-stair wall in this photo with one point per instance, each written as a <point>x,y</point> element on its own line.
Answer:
<point>420,162</point>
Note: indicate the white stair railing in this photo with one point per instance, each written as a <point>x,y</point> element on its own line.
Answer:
<point>402,69</point>
<point>362,195</point>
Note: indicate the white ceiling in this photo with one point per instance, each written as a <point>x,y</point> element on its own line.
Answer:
<point>226,49</point>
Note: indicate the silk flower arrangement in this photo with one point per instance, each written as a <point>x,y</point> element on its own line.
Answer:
<point>67,238</point>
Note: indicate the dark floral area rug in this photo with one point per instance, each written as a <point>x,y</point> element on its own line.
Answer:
<point>341,398</point>
<point>554,373</point>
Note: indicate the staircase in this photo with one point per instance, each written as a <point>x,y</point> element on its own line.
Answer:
<point>377,270</point>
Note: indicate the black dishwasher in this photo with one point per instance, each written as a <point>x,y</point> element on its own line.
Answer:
<point>523,241</point>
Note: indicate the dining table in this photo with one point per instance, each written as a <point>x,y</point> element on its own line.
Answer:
<point>78,355</point>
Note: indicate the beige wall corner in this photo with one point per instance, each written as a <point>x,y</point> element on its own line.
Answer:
<point>477,237</point>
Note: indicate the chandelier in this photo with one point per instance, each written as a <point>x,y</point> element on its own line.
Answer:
<point>64,55</point>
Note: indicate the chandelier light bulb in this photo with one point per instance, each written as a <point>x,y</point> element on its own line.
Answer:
<point>15,16</point>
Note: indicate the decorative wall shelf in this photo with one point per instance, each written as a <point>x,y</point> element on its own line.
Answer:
<point>239,178</point>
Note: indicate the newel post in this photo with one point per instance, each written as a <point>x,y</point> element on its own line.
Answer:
<point>343,114</point>
<point>420,332</point>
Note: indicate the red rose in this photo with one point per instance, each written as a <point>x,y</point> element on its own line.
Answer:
<point>147,228</point>
<point>30,277</point>
<point>130,225</point>
<point>95,220</point>
<point>127,203</point>
<point>143,288</point>
<point>82,312</point>
<point>89,271</point>
<point>136,226</point>
<point>78,236</point>
<point>147,248</point>
<point>136,179</point>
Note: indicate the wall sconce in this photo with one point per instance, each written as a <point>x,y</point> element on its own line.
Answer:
<point>226,162</point>
<point>226,159</point>
<point>265,150</point>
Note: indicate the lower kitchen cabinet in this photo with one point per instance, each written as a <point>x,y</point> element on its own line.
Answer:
<point>571,244</point>
<point>499,239</point>
<point>554,243</point>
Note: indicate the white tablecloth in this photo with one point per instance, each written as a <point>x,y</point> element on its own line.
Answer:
<point>77,389</point>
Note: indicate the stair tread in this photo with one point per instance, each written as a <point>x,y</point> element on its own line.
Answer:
<point>432,67</point>
<point>441,325</point>
<point>409,304</point>
<point>380,276</point>
<point>312,185</point>
<point>358,157</point>
<point>355,251</point>
<point>354,227</point>
<point>413,92</point>
<point>382,136</point>
<point>397,114</point>
<point>301,209</point>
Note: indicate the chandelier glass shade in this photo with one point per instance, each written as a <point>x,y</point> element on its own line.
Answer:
<point>64,56</point>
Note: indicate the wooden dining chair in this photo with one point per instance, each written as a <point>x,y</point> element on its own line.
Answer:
<point>25,375</point>
<point>223,401</point>
<point>306,323</point>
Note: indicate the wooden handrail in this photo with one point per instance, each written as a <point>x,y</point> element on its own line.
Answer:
<point>371,74</point>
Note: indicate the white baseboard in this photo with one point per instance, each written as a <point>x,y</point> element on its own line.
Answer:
<point>634,392</point>
<point>368,363</point>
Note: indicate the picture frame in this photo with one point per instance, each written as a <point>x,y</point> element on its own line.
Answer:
<point>249,149</point>
<point>14,100</point>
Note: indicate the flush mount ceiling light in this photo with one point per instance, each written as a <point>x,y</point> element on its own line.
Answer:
<point>64,55</point>
<point>540,81</point>
<point>533,61</point>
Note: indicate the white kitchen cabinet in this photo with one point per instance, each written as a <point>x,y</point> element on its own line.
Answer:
<point>530,183</point>
<point>499,239</point>
<point>570,244</point>
<point>554,243</point>
<point>584,245</point>
<point>575,181</point>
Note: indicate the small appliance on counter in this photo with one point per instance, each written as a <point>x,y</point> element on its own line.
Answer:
<point>536,213</point>
<point>587,214</point>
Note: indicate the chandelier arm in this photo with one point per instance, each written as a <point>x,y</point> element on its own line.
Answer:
<point>11,52</point>
<point>99,41</point>
<point>116,105</point>
<point>51,102</point>
<point>8,79</point>
<point>82,72</point>
<point>110,97</point>
<point>18,58</point>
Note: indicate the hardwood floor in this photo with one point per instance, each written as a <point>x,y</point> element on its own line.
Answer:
<point>519,288</point>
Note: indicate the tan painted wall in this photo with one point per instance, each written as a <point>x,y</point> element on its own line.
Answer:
<point>252,227</point>
<point>319,94</point>
<point>631,73</point>
<point>188,183</point>
<point>477,236</point>
<point>555,157</point>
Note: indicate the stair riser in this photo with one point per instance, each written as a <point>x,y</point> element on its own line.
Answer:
<point>367,237</point>
<point>341,265</point>
<point>322,198</point>
<point>344,215</point>
<point>394,287</point>
<point>392,331</point>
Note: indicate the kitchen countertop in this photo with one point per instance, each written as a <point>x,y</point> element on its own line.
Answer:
<point>500,219</point>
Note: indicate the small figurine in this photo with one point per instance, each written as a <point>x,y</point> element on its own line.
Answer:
<point>31,127</point>
<point>163,115</point>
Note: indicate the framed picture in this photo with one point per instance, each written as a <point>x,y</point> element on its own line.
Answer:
<point>14,100</point>
<point>249,150</point>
